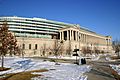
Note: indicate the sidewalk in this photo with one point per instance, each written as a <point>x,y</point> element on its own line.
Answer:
<point>100,71</point>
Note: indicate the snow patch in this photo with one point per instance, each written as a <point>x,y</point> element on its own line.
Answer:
<point>64,71</point>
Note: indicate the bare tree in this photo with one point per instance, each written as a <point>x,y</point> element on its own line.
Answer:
<point>57,50</point>
<point>86,50</point>
<point>68,50</point>
<point>44,49</point>
<point>116,47</point>
<point>8,42</point>
<point>96,50</point>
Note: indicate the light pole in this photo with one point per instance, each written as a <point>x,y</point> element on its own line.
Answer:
<point>107,45</point>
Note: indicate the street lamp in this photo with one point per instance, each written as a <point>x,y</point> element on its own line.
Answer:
<point>107,45</point>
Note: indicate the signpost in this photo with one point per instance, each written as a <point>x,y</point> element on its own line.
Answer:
<point>75,50</point>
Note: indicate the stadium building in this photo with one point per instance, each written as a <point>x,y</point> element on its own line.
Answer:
<point>42,37</point>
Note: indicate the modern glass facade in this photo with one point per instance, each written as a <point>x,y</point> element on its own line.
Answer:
<point>33,27</point>
<point>36,27</point>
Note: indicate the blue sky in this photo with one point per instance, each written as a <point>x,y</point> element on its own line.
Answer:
<point>101,16</point>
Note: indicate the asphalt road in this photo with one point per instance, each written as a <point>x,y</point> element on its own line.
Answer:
<point>101,70</point>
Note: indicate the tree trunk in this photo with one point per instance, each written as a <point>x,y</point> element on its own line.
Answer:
<point>22,54</point>
<point>2,59</point>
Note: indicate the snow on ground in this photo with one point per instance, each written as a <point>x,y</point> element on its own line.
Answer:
<point>92,57</point>
<point>64,71</point>
<point>109,59</point>
<point>95,58</point>
<point>63,57</point>
<point>116,68</point>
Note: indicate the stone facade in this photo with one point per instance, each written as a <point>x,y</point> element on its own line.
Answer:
<point>73,38</point>
<point>42,37</point>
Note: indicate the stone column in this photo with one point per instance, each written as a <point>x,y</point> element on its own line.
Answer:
<point>67,35</point>
<point>70,34</point>
<point>76,35</point>
<point>81,37</point>
<point>60,36</point>
<point>85,37</point>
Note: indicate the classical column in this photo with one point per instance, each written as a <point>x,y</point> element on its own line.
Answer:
<point>70,34</point>
<point>62,35</point>
<point>76,35</point>
<point>67,35</point>
<point>85,37</point>
<point>82,37</point>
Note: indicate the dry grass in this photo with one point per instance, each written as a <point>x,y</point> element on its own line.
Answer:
<point>60,60</point>
<point>23,75</point>
<point>4,69</point>
<point>115,57</point>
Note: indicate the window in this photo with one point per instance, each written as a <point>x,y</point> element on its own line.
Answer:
<point>35,46</point>
<point>29,46</point>
<point>23,46</point>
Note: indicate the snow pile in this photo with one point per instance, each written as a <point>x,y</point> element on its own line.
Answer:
<point>116,68</point>
<point>64,71</point>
